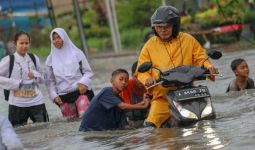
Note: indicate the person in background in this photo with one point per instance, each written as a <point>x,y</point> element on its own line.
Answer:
<point>169,48</point>
<point>8,138</point>
<point>242,81</point>
<point>68,76</point>
<point>107,109</point>
<point>133,94</point>
<point>25,98</point>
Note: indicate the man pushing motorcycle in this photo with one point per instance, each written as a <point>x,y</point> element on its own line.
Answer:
<point>169,48</point>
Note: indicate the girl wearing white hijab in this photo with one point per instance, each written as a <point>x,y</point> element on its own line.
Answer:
<point>68,75</point>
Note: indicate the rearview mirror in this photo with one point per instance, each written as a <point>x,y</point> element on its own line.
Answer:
<point>146,66</point>
<point>214,54</point>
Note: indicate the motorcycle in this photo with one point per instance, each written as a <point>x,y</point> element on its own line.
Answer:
<point>188,103</point>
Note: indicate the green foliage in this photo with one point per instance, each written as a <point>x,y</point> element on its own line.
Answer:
<point>99,44</point>
<point>97,31</point>
<point>66,21</point>
<point>90,17</point>
<point>40,42</point>
<point>74,35</point>
<point>133,19</point>
<point>208,24</point>
<point>135,13</point>
<point>133,38</point>
<point>134,23</point>
<point>41,52</point>
<point>232,10</point>
<point>229,11</point>
<point>98,36</point>
<point>248,16</point>
<point>40,37</point>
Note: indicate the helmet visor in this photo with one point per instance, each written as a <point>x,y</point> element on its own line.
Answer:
<point>160,24</point>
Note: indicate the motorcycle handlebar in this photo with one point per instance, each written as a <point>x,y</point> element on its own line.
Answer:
<point>155,84</point>
<point>217,74</point>
<point>160,81</point>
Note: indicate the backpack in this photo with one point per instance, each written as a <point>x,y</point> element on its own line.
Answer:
<point>7,92</point>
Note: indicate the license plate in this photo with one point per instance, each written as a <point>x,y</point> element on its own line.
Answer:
<point>192,93</point>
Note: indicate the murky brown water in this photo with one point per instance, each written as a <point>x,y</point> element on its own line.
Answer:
<point>233,128</point>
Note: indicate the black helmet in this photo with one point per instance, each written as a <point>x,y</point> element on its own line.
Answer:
<point>166,15</point>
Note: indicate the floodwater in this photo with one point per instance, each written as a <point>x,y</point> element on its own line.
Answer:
<point>232,129</point>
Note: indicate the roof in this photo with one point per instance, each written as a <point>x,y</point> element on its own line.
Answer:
<point>21,5</point>
<point>23,14</point>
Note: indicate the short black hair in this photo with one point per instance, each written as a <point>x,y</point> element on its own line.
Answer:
<point>235,63</point>
<point>133,68</point>
<point>118,71</point>
<point>18,34</point>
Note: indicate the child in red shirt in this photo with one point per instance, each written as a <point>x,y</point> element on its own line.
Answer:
<point>134,94</point>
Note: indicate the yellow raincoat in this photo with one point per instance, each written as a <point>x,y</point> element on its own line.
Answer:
<point>183,50</point>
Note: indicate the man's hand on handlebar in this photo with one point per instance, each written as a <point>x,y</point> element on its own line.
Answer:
<point>146,100</point>
<point>212,71</point>
<point>150,81</point>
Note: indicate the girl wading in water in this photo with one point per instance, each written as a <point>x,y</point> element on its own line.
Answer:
<point>68,75</point>
<point>25,99</point>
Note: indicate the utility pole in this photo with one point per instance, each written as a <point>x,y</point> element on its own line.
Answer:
<point>80,26</point>
<point>51,13</point>
<point>112,20</point>
<point>116,25</point>
<point>11,12</point>
<point>163,2</point>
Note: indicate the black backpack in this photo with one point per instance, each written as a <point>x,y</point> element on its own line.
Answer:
<point>7,92</point>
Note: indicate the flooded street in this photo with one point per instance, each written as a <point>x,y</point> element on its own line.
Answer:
<point>233,128</point>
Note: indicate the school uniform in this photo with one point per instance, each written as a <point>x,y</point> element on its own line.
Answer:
<point>59,82</point>
<point>65,69</point>
<point>19,84</point>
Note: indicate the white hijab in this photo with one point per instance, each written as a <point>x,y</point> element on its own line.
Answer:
<point>64,61</point>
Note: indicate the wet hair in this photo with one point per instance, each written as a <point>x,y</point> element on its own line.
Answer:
<point>235,63</point>
<point>118,71</point>
<point>133,68</point>
<point>18,34</point>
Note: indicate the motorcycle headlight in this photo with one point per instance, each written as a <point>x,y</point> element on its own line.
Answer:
<point>184,112</point>
<point>188,114</point>
<point>208,110</point>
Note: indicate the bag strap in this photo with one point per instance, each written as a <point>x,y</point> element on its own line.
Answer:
<point>11,64</point>
<point>32,56</point>
<point>80,64</point>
